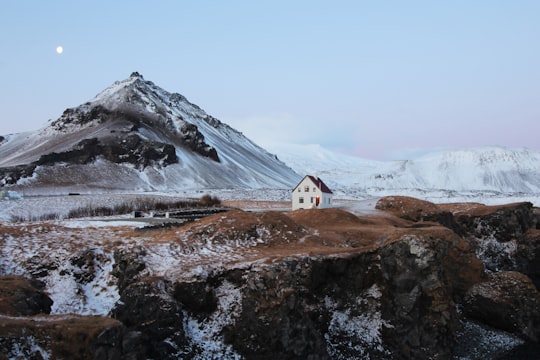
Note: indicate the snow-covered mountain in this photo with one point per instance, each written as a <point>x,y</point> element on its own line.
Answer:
<point>136,136</point>
<point>485,169</point>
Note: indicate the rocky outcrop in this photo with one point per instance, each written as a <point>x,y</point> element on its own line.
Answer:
<point>390,303</point>
<point>312,284</point>
<point>20,296</point>
<point>10,175</point>
<point>394,301</point>
<point>28,332</point>
<point>194,139</point>
<point>508,301</point>
<point>504,237</point>
<point>153,319</point>
<point>504,223</point>
<point>130,149</point>
<point>418,211</point>
<point>61,337</point>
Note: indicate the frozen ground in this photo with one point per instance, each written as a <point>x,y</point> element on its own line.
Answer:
<point>34,207</point>
<point>75,257</point>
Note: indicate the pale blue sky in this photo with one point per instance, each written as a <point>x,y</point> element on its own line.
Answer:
<point>378,79</point>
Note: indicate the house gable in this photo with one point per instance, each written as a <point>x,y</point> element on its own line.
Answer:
<point>317,182</point>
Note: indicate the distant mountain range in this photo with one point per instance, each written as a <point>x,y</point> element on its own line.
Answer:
<point>136,136</point>
<point>484,169</point>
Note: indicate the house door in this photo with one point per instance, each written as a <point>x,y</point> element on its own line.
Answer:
<point>317,201</point>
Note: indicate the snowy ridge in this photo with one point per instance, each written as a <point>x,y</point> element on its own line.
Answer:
<point>450,173</point>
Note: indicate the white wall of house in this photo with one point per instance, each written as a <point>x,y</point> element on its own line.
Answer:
<point>307,194</point>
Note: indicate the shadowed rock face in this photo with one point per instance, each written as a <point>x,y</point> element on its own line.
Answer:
<point>27,328</point>
<point>130,149</point>
<point>504,237</point>
<point>21,297</point>
<point>126,149</point>
<point>507,300</point>
<point>317,284</point>
<point>10,175</point>
<point>396,300</point>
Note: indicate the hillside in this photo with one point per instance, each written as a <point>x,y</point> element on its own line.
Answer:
<point>136,136</point>
<point>412,280</point>
<point>451,173</point>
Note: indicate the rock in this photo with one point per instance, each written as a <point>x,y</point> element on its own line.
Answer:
<point>123,149</point>
<point>21,297</point>
<point>127,266</point>
<point>396,301</point>
<point>507,300</point>
<point>318,284</point>
<point>503,222</point>
<point>504,237</point>
<point>153,319</point>
<point>194,139</point>
<point>527,256</point>
<point>197,296</point>
<point>278,318</point>
<point>10,175</point>
<point>417,210</point>
<point>61,337</point>
<point>407,208</point>
<point>419,292</point>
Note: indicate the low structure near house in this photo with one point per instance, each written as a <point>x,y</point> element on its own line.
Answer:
<point>311,193</point>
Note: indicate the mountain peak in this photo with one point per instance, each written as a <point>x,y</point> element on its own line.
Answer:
<point>136,74</point>
<point>159,138</point>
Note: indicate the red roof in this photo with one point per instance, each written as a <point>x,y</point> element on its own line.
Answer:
<point>318,183</point>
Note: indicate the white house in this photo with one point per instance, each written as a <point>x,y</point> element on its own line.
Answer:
<point>311,193</point>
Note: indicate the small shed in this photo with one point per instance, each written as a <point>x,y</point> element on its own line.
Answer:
<point>311,193</point>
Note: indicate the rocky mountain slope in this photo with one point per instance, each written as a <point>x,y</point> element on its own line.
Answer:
<point>450,173</point>
<point>413,280</point>
<point>136,136</point>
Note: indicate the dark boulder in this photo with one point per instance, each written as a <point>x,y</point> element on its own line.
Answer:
<point>507,300</point>
<point>20,296</point>
<point>153,319</point>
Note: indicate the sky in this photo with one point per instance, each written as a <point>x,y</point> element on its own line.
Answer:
<point>375,79</point>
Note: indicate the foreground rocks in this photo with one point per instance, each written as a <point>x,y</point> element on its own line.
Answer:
<point>311,284</point>
<point>507,300</point>
<point>20,296</point>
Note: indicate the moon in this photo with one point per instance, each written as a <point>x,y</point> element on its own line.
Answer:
<point>59,49</point>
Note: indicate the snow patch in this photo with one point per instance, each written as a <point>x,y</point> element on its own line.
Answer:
<point>27,348</point>
<point>357,326</point>
<point>206,334</point>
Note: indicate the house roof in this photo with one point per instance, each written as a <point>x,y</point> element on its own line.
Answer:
<point>317,182</point>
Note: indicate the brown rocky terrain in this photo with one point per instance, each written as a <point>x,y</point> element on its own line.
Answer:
<point>314,284</point>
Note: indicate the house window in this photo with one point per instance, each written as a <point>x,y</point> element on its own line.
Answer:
<point>312,199</point>
<point>301,200</point>
<point>299,190</point>
<point>314,189</point>
<point>306,188</point>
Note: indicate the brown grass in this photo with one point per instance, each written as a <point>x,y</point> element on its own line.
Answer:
<point>67,336</point>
